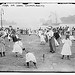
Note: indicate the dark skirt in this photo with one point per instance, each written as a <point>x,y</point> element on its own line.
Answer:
<point>52,44</point>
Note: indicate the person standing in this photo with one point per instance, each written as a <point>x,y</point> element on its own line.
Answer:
<point>39,33</point>
<point>42,38</point>
<point>2,47</point>
<point>51,41</point>
<point>46,37</point>
<point>66,49</point>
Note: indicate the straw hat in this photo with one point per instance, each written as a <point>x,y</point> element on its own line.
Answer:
<point>49,27</point>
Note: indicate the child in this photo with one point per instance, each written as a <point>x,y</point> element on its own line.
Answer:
<point>42,38</point>
<point>30,58</point>
<point>9,38</point>
<point>2,46</point>
<point>66,49</point>
<point>18,47</point>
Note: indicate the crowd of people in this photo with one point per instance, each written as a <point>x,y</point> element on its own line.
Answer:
<point>18,47</point>
<point>50,35</point>
<point>53,36</point>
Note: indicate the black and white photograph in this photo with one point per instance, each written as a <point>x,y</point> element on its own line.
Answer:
<point>37,37</point>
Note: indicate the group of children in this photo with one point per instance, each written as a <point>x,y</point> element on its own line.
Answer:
<point>18,47</point>
<point>54,39</point>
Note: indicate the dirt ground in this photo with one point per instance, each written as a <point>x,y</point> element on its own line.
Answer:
<point>52,62</point>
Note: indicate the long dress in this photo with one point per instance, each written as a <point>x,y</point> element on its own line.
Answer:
<point>42,39</point>
<point>18,47</point>
<point>2,46</point>
<point>30,57</point>
<point>66,49</point>
<point>40,32</point>
<point>52,44</point>
<point>51,40</point>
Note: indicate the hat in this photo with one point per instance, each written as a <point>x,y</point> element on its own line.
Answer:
<point>49,27</point>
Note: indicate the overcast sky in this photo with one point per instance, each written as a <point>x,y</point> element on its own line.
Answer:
<point>30,16</point>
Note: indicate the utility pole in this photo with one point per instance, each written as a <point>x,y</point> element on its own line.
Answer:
<point>2,13</point>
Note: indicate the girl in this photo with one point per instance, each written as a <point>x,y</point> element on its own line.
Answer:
<point>42,38</point>
<point>18,47</point>
<point>2,46</point>
<point>66,49</point>
<point>30,57</point>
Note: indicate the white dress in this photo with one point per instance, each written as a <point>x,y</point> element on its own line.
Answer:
<point>72,38</point>
<point>30,57</point>
<point>2,46</point>
<point>66,49</point>
<point>42,38</point>
<point>40,32</point>
<point>18,47</point>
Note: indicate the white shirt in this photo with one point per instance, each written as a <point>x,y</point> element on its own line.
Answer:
<point>50,33</point>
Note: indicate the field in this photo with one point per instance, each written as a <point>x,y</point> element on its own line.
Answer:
<point>52,62</point>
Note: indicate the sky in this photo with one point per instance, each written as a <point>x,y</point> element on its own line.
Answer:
<point>32,16</point>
